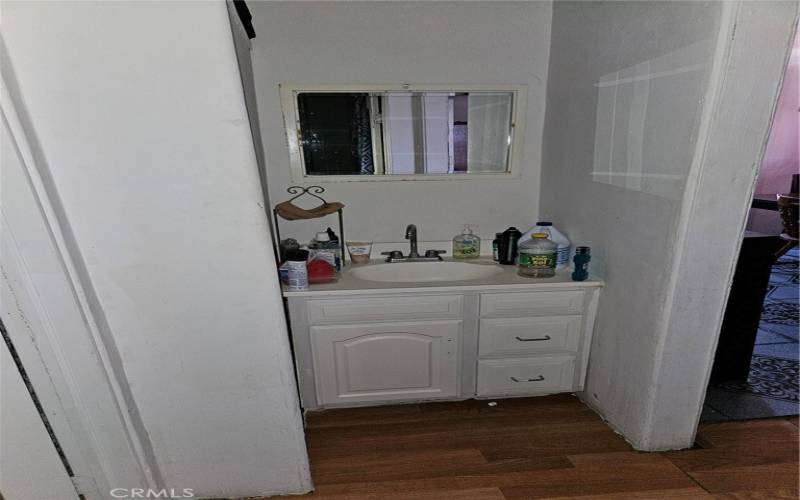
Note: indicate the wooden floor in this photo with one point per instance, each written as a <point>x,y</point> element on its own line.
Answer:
<point>549,447</point>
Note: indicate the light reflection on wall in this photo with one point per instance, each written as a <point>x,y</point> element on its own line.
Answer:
<point>638,142</point>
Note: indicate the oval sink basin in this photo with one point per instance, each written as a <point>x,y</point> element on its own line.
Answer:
<point>415,272</point>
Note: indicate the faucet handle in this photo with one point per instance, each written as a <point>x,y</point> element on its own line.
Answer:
<point>435,253</point>
<point>393,255</point>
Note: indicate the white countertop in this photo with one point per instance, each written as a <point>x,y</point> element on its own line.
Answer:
<point>507,279</point>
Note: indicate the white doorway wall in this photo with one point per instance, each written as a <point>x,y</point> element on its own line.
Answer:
<point>137,250</point>
<point>740,105</point>
<point>678,109</point>
<point>44,310</point>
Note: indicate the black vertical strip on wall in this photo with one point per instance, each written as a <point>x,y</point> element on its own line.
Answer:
<point>245,16</point>
<point>35,399</point>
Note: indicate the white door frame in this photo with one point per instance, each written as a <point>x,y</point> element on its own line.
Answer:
<point>46,308</point>
<point>30,466</point>
<point>752,50</point>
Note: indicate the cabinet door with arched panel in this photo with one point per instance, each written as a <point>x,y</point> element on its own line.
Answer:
<point>386,361</point>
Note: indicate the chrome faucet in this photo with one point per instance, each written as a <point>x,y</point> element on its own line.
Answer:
<point>413,255</point>
<point>411,235</point>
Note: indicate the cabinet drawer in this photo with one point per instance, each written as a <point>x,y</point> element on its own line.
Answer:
<point>544,374</point>
<point>522,336</point>
<point>555,303</point>
<point>384,309</point>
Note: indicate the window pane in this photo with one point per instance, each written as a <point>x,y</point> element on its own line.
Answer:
<point>419,131</point>
<point>489,131</point>
<point>336,133</point>
<point>441,133</point>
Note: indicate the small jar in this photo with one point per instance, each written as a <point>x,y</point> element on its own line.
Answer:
<point>297,270</point>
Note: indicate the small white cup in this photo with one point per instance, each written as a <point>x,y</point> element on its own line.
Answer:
<point>359,251</point>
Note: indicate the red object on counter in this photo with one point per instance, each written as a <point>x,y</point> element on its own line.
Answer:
<point>320,271</point>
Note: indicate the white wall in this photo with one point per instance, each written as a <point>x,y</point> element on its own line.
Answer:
<point>740,106</point>
<point>47,310</point>
<point>406,42</point>
<point>149,150</point>
<point>630,222</point>
<point>656,120</point>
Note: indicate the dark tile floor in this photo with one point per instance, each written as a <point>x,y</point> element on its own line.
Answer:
<point>772,387</point>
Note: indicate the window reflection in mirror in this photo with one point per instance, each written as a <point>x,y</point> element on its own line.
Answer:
<point>377,133</point>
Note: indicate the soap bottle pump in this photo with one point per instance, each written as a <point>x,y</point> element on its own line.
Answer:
<point>466,245</point>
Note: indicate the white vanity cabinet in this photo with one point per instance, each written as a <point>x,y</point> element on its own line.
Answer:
<point>376,346</point>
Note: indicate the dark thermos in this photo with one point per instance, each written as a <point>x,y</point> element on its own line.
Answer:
<point>507,249</point>
<point>581,260</point>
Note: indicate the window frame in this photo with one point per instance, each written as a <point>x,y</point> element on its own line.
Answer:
<point>288,94</point>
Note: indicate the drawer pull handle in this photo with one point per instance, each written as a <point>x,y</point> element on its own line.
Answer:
<point>536,379</point>
<point>546,337</point>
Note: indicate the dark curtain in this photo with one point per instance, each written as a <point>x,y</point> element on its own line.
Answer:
<point>336,134</point>
<point>363,134</point>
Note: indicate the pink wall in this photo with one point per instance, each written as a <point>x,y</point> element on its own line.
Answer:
<point>782,155</point>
